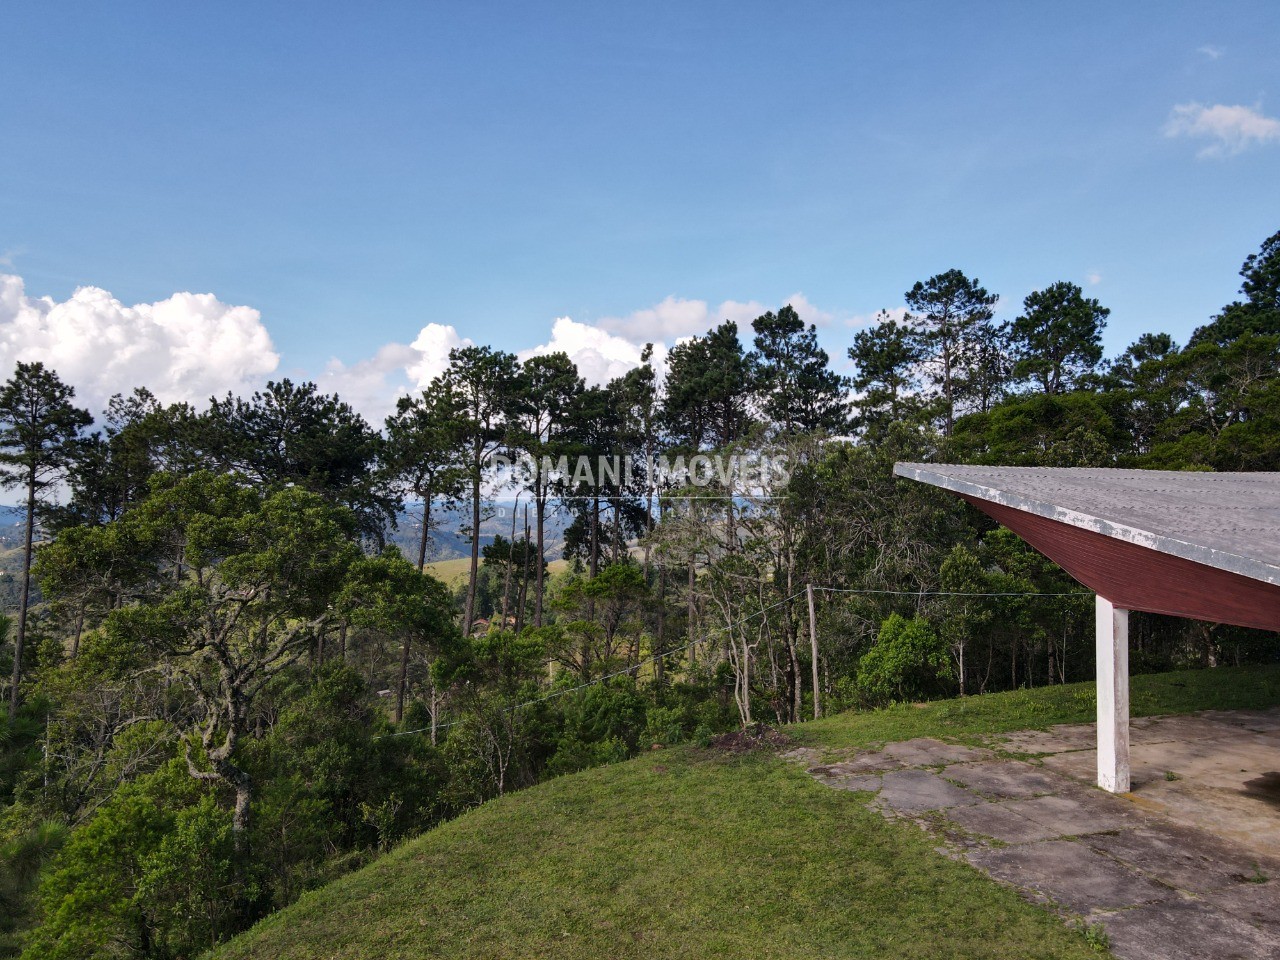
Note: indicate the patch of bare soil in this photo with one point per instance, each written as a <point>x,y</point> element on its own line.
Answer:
<point>753,738</point>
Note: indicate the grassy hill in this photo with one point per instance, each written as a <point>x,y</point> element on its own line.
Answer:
<point>451,571</point>
<point>697,852</point>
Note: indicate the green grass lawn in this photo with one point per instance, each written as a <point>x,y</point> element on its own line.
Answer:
<point>695,853</point>
<point>970,718</point>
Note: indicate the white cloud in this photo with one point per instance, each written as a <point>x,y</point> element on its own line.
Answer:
<point>1094,278</point>
<point>373,385</point>
<point>1231,129</point>
<point>808,311</point>
<point>858,320</point>
<point>431,352</point>
<point>676,318</point>
<point>187,347</point>
<point>599,354</point>
<point>1210,51</point>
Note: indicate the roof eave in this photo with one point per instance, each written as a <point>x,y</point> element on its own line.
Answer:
<point>1197,553</point>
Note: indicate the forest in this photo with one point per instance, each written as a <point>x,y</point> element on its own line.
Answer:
<point>230,675</point>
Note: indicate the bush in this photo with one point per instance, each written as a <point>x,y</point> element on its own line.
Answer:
<point>908,662</point>
<point>665,725</point>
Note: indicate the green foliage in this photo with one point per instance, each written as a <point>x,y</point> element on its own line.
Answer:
<point>798,391</point>
<point>22,857</point>
<point>610,711</point>
<point>192,883</point>
<point>909,661</point>
<point>887,357</point>
<point>93,894</point>
<point>1057,341</point>
<point>292,435</point>
<point>707,390</point>
<point>1259,312</point>
<point>1067,430</point>
<point>950,316</point>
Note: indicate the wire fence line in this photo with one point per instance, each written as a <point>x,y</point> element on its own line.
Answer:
<point>685,648</point>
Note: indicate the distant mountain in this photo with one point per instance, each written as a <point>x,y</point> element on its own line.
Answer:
<point>448,541</point>
<point>12,523</point>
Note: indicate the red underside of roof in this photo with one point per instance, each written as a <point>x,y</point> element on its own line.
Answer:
<point>1137,578</point>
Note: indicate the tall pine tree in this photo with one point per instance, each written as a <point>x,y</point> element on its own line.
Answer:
<point>40,437</point>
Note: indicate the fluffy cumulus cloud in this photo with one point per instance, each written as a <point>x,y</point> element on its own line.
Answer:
<point>1229,130</point>
<point>599,354</point>
<point>373,385</point>
<point>187,347</point>
<point>431,352</point>
<point>676,318</point>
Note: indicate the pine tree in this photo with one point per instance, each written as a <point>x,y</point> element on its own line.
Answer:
<point>40,437</point>
<point>888,358</point>
<point>484,381</point>
<point>948,313</point>
<point>1058,339</point>
<point>546,391</point>
<point>421,457</point>
<point>796,390</point>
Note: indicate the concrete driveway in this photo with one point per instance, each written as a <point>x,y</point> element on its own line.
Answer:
<point>1187,865</point>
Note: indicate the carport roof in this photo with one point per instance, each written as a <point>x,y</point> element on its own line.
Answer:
<point>1228,521</point>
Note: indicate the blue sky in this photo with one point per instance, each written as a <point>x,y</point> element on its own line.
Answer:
<point>354,172</point>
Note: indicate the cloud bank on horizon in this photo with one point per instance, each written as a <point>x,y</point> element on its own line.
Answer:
<point>190,347</point>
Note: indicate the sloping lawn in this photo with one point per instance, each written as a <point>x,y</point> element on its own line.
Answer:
<point>970,718</point>
<point>695,853</point>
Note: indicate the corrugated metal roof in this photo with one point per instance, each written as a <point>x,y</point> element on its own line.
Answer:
<point>1230,521</point>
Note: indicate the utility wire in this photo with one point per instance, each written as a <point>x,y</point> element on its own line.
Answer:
<point>564,691</point>
<point>949,593</point>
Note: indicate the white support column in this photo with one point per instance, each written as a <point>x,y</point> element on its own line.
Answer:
<point>1113,696</point>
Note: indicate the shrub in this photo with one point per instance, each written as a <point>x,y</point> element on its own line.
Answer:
<point>909,661</point>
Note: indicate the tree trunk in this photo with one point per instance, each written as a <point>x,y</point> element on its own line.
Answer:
<point>524,580</point>
<point>75,639</point>
<point>21,638</point>
<point>240,818</point>
<point>593,566</point>
<point>511,562</point>
<point>422,540</point>
<point>595,536</point>
<point>469,612</point>
<point>795,694</point>
<point>616,546</point>
<point>692,611</point>
<point>403,680</point>
<point>947,388</point>
<point>660,664</point>
<point>813,650</point>
<point>434,710</point>
<point>540,509</point>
